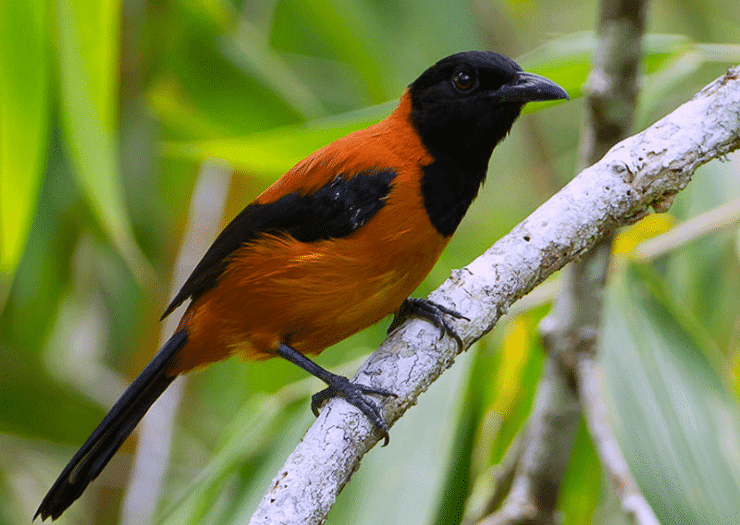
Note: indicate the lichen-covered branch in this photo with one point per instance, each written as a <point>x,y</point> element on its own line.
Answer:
<point>643,171</point>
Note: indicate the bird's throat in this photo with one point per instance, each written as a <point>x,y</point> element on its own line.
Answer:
<point>448,189</point>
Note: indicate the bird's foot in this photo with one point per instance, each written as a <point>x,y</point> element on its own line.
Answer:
<point>355,394</point>
<point>432,312</point>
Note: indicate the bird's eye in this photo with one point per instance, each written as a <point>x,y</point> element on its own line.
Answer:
<point>463,81</point>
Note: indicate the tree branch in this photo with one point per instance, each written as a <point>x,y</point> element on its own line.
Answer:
<point>646,170</point>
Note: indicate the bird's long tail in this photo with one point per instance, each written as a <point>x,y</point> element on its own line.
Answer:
<point>105,440</point>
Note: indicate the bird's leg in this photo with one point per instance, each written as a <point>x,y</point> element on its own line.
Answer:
<point>432,312</point>
<point>353,393</point>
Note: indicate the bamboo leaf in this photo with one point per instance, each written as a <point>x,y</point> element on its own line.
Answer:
<point>24,124</point>
<point>88,49</point>
<point>677,424</point>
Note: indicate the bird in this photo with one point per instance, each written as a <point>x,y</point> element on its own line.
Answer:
<point>337,243</point>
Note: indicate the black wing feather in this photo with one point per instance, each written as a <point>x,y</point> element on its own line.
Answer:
<point>335,210</point>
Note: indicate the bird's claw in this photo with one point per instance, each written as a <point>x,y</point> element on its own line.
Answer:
<point>355,394</point>
<point>432,312</point>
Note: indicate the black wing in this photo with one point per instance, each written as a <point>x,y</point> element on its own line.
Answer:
<point>334,210</point>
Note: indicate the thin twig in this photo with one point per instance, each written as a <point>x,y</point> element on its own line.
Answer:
<point>727,214</point>
<point>498,479</point>
<point>547,448</point>
<point>590,380</point>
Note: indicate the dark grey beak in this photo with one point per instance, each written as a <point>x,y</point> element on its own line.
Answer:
<point>528,87</point>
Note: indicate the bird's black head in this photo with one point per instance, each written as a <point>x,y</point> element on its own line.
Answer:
<point>466,103</point>
<point>462,107</point>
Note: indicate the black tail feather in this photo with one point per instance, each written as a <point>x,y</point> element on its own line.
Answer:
<point>110,434</point>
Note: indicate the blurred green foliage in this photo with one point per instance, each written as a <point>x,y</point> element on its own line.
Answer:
<point>107,110</point>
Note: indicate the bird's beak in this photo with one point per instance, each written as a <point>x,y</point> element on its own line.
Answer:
<point>528,87</point>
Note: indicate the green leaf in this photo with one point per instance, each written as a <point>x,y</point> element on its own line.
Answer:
<point>676,423</point>
<point>24,124</point>
<point>276,150</point>
<point>88,49</point>
<point>580,490</point>
<point>334,30</point>
<point>250,52</point>
<point>253,481</point>
<point>188,101</point>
